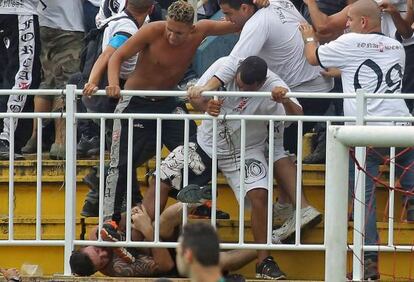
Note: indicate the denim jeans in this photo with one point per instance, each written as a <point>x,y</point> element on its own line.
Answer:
<point>89,14</point>
<point>374,158</point>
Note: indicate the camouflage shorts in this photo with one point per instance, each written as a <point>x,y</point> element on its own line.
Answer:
<point>59,56</point>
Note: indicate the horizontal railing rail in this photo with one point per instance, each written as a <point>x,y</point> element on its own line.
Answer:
<point>71,115</point>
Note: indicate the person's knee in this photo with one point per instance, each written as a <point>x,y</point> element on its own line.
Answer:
<point>257,197</point>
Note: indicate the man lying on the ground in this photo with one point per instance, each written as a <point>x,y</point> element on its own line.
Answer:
<point>148,261</point>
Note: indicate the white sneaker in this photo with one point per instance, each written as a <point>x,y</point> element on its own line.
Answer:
<point>309,218</point>
<point>282,212</point>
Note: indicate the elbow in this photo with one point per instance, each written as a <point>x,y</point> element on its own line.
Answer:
<point>322,28</point>
<point>312,60</point>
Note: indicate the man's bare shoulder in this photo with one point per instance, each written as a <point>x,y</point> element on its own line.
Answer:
<point>154,28</point>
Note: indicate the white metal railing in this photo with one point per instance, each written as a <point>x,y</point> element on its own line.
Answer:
<point>333,212</point>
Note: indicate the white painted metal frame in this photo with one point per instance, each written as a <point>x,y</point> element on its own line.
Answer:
<point>339,138</point>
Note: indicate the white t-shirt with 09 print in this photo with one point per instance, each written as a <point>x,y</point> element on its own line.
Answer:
<point>372,62</point>
<point>229,131</point>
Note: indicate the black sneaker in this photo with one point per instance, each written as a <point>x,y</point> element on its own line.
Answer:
<point>5,153</point>
<point>88,146</point>
<point>4,148</point>
<point>91,179</point>
<point>90,209</point>
<point>370,271</point>
<point>204,212</point>
<point>194,194</point>
<point>268,269</point>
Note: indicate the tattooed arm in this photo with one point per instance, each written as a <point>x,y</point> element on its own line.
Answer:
<point>144,266</point>
<point>142,222</point>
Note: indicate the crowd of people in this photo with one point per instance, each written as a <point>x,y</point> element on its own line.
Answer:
<point>298,46</point>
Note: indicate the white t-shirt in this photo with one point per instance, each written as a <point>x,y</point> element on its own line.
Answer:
<point>228,131</point>
<point>387,24</point>
<point>124,26</point>
<point>19,7</point>
<point>372,62</point>
<point>273,34</point>
<point>64,15</point>
<point>107,9</point>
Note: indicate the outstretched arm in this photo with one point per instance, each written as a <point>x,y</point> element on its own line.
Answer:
<point>132,46</point>
<point>98,71</point>
<point>327,27</point>
<point>403,25</point>
<point>212,27</point>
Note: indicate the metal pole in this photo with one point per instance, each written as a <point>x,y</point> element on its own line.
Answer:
<point>299,184</point>
<point>270,182</point>
<point>359,191</point>
<point>336,208</point>
<point>39,181</point>
<point>185,176</point>
<point>70,176</point>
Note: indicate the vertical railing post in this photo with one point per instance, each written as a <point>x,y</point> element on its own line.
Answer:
<point>359,191</point>
<point>70,176</point>
<point>336,208</point>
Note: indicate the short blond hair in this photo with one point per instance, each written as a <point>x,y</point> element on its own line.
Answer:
<point>181,11</point>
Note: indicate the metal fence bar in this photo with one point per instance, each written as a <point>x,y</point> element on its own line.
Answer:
<point>391,197</point>
<point>130,167</point>
<point>158,182</point>
<point>101,173</point>
<point>70,176</point>
<point>185,179</point>
<point>250,246</point>
<point>359,191</point>
<point>270,182</point>
<point>11,180</point>
<point>298,203</point>
<point>214,172</point>
<point>242,177</point>
<point>39,181</point>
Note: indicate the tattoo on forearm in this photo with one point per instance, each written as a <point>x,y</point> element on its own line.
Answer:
<point>143,266</point>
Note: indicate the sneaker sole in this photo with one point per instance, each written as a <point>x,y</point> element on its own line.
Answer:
<point>121,252</point>
<point>312,223</point>
<point>263,276</point>
<point>194,191</point>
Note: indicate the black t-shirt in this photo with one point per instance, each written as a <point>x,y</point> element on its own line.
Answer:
<point>328,7</point>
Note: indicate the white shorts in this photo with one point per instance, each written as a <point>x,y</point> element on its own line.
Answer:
<point>279,151</point>
<point>256,171</point>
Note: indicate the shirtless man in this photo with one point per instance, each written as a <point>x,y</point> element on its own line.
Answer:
<point>148,262</point>
<point>166,50</point>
